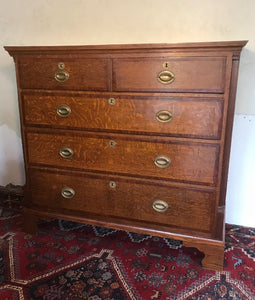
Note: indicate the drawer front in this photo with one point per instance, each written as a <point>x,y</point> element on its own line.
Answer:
<point>63,73</point>
<point>191,117</point>
<point>128,199</point>
<point>191,162</point>
<point>173,74</point>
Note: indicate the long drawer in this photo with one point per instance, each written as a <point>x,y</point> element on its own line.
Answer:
<point>124,198</point>
<point>143,156</point>
<point>172,74</point>
<point>64,73</point>
<point>169,116</point>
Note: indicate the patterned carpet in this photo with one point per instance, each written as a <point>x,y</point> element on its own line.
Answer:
<point>69,261</point>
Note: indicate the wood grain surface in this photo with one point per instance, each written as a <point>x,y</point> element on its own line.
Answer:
<point>118,139</point>
<point>191,117</point>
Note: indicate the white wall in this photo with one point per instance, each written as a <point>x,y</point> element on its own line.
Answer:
<point>240,194</point>
<point>81,22</point>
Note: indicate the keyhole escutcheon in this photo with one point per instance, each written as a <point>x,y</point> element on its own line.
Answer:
<point>166,64</point>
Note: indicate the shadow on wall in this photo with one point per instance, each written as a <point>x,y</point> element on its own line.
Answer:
<point>9,112</point>
<point>11,157</point>
<point>246,88</point>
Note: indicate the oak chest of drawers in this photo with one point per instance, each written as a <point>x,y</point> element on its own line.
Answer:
<point>133,137</point>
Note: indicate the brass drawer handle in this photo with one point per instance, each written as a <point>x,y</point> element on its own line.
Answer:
<point>162,161</point>
<point>165,77</point>
<point>63,111</point>
<point>164,116</point>
<point>66,152</point>
<point>160,206</point>
<point>61,75</point>
<point>67,192</point>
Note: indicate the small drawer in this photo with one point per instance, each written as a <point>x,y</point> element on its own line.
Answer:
<point>63,73</point>
<point>170,74</point>
<point>143,156</point>
<point>168,116</point>
<point>127,199</point>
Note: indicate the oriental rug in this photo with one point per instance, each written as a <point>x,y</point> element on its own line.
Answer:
<point>70,261</point>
